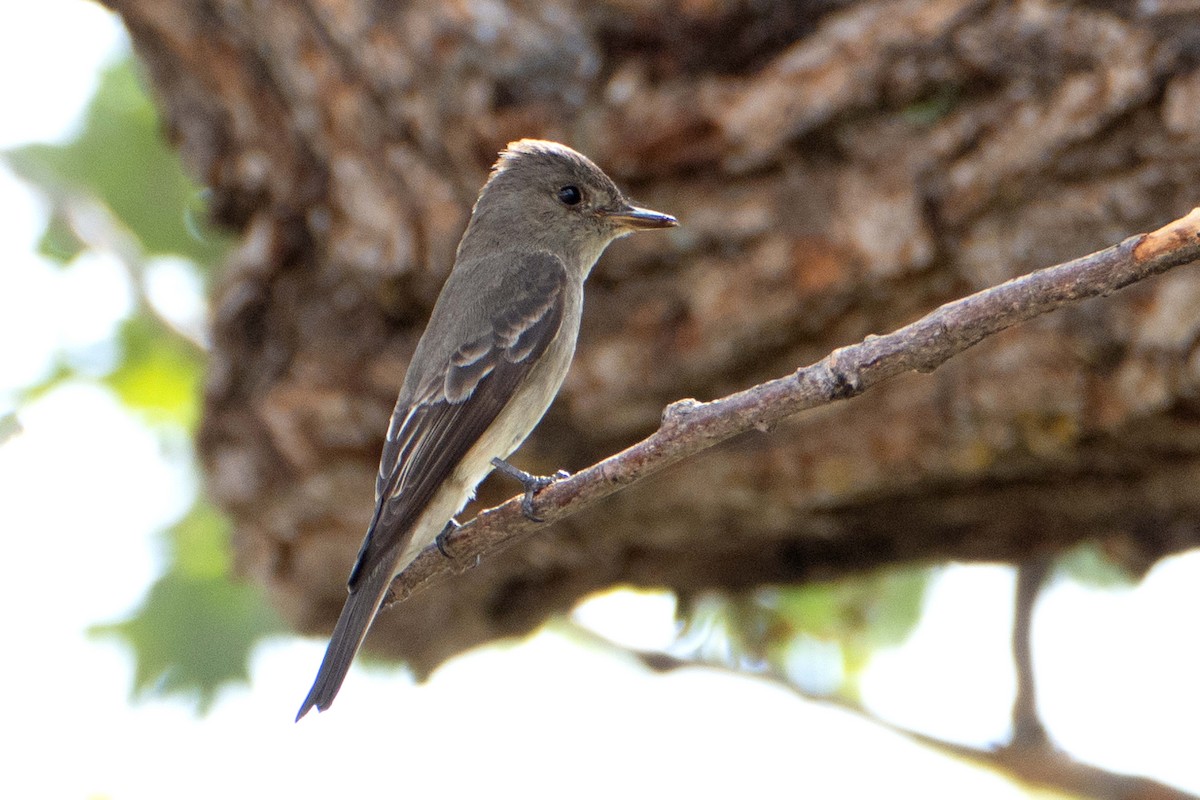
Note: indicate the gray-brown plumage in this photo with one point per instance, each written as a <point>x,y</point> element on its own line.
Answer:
<point>491,360</point>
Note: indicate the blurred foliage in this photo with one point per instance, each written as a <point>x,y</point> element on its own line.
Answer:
<point>1090,565</point>
<point>119,180</point>
<point>117,187</point>
<point>10,426</point>
<point>194,630</point>
<point>159,376</point>
<point>155,372</point>
<point>849,618</point>
<point>821,636</point>
<point>120,160</point>
<point>59,241</point>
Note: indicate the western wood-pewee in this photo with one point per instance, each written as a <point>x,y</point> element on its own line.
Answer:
<point>491,360</point>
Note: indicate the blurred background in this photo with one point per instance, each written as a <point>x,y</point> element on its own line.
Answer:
<point>178,498</point>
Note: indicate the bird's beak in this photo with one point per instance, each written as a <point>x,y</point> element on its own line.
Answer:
<point>641,218</point>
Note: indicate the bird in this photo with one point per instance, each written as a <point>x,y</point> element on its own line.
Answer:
<point>493,356</point>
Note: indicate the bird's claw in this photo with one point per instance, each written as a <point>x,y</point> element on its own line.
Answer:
<point>532,487</point>
<point>532,483</point>
<point>451,526</point>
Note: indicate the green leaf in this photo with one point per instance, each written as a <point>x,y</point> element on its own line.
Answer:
<point>196,628</point>
<point>199,544</point>
<point>1088,564</point>
<point>157,372</point>
<point>59,243</point>
<point>876,610</point>
<point>192,636</point>
<point>121,159</point>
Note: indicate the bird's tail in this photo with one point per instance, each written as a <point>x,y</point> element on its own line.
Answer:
<point>348,635</point>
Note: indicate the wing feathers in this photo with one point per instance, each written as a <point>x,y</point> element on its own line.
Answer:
<point>461,400</point>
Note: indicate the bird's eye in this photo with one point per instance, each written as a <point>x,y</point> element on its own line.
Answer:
<point>570,195</point>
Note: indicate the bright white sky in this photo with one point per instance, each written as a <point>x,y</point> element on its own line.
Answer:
<point>85,487</point>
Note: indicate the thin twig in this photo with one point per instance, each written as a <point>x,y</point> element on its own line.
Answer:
<point>688,426</point>
<point>96,226</point>
<point>1027,728</point>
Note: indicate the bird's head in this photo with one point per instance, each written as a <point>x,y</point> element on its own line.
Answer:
<point>547,195</point>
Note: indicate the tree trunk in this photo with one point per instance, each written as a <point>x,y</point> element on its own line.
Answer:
<point>839,168</point>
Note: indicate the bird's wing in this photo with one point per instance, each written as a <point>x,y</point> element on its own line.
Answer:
<point>455,404</point>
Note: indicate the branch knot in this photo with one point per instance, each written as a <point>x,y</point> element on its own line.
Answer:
<point>676,413</point>
<point>843,383</point>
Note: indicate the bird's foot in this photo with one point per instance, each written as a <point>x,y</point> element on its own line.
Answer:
<point>451,526</point>
<point>532,483</point>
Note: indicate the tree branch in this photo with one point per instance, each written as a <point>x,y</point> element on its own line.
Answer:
<point>1039,764</point>
<point>1027,728</point>
<point>689,427</point>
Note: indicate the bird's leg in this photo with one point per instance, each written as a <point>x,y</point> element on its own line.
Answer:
<point>451,526</point>
<point>532,483</point>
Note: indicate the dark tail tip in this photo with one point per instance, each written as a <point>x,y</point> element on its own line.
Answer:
<point>348,634</point>
<point>334,667</point>
<point>326,686</point>
<point>309,704</point>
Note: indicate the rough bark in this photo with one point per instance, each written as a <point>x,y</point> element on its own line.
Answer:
<point>840,168</point>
